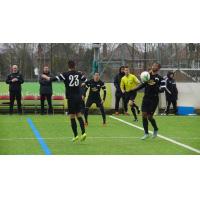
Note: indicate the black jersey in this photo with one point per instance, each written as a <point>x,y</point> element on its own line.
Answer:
<point>153,87</point>
<point>72,80</point>
<point>95,88</point>
<point>15,86</point>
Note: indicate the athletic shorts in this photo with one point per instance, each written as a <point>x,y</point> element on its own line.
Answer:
<point>74,104</point>
<point>90,101</point>
<point>130,95</point>
<point>149,105</point>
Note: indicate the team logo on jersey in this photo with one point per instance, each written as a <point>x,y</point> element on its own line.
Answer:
<point>94,89</point>
<point>151,82</point>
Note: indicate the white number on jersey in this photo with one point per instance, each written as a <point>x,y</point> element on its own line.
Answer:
<point>74,81</point>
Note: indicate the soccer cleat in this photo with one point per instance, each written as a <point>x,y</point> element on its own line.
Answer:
<point>83,137</point>
<point>135,120</point>
<point>155,134</point>
<point>75,139</point>
<point>145,136</point>
<point>116,113</point>
<point>104,123</point>
<point>126,113</point>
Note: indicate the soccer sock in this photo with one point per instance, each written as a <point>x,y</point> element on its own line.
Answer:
<point>153,123</point>
<point>133,111</point>
<point>103,114</point>
<point>74,127</point>
<point>80,119</point>
<point>86,115</point>
<point>145,124</point>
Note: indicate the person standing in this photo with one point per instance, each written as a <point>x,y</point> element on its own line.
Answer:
<point>15,80</point>
<point>73,81</point>
<point>118,93</point>
<point>152,88</point>
<point>46,90</point>
<point>95,85</point>
<point>171,93</point>
<point>128,83</point>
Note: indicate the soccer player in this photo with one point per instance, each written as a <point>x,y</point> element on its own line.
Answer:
<point>95,85</point>
<point>128,83</point>
<point>118,92</point>
<point>171,93</point>
<point>153,87</point>
<point>46,91</point>
<point>15,80</point>
<point>73,80</point>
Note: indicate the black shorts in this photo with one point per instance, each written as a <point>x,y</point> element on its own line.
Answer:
<point>149,105</point>
<point>130,96</point>
<point>90,101</point>
<point>74,104</point>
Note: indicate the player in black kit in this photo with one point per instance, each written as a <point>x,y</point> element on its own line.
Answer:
<point>73,80</point>
<point>95,86</point>
<point>153,87</point>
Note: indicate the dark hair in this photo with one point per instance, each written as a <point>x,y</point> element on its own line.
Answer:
<point>126,67</point>
<point>71,64</point>
<point>157,63</point>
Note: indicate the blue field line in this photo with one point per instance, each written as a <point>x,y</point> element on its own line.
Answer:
<point>44,146</point>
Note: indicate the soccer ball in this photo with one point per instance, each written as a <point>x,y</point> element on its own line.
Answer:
<point>145,76</point>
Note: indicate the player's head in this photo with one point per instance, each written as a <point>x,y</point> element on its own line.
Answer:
<point>170,74</point>
<point>46,69</point>
<point>121,70</point>
<point>71,65</point>
<point>14,69</point>
<point>96,76</point>
<point>126,70</point>
<point>155,67</point>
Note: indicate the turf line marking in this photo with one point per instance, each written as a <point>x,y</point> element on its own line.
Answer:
<point>160,136</point>
<point>41,141</point>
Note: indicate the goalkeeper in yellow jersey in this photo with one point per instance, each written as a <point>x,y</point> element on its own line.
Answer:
<point>128,83</point>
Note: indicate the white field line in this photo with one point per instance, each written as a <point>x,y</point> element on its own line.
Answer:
<point>160,136</point>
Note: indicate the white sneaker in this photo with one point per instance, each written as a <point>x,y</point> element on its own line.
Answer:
<point>145,136</point>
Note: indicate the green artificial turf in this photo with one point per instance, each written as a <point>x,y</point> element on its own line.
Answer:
<point>116,138</point>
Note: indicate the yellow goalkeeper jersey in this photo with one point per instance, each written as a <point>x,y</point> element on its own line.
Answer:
<point>129,82</point>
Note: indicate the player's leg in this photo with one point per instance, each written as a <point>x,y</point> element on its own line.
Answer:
<point>145,125</point>
<point>126,100</point>
<point>153,106</point>
<point>78,108</point>
<point>133,110</point>
<point>133,96</point>
<point>50,111</point>
<point>174,103</point>
<point>117,100</point>
<point>42,100</point>
<point>82,126</point>
<point>19,104</point>
<point>72,115</point>
<point>74,127</point>
<point>12,100</point>
<point>87,106</point>
<point>103,114</point>
<point>125,104</point>
<point>168,106</point>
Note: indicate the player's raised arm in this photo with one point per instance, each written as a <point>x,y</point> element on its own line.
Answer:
<point>139,87</point>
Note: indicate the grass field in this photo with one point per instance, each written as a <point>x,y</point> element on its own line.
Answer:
<point>117,138</point>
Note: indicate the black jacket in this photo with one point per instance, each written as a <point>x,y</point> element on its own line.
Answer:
<point>117,81</point>
<point>45,86</point>
<point>171,89</point>
<point>15,86</point>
